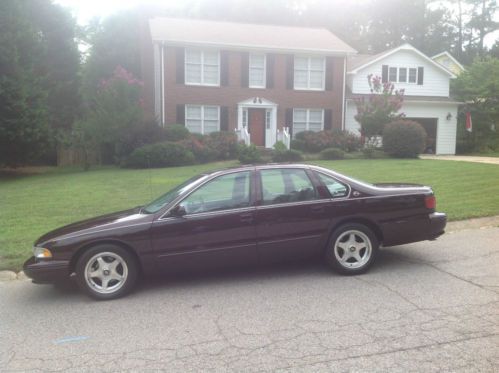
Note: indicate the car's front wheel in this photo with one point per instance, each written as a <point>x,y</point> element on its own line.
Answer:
<point>352,249</point>
<point>106,272</point>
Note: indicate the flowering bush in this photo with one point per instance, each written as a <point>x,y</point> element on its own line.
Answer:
<point>379,108</point>
<point>116,114</point>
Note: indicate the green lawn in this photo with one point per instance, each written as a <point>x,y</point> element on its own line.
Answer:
<point>33,204</point>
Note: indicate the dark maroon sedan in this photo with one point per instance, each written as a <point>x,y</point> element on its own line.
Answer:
<point>245,215</point>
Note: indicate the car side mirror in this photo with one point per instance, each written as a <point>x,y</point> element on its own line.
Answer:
<point>178,211</point>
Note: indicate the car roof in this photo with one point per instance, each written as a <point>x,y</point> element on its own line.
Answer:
<point>260,166</point>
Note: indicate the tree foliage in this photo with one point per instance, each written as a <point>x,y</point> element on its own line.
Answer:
<point>478,87</point>
<point>39,64</point>
<point>112,42</point>
<point>379,108</point>
<point>113,117</point>
<point>23,114</point>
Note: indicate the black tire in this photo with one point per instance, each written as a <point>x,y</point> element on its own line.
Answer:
<point>110,263</point>
<point>350,264</point>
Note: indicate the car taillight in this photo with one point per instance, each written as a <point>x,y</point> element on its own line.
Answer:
<point>430,202</point>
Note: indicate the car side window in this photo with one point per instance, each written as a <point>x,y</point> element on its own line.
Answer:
<point>285,186</point>
<point>225,192</point>
<point>335,188</point>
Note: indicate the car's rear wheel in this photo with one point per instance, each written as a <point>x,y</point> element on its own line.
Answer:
<point>352,249</point>
<point>106,272</point>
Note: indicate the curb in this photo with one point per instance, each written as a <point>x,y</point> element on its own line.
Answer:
<point>7,276</point>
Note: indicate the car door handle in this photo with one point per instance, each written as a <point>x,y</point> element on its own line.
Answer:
<point>317,209</point>
<point>246,218</point>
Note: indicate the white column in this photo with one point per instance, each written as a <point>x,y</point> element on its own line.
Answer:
<point>239,117</point>
<point>157,82</point>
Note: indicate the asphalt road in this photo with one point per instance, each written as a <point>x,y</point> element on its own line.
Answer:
<point>431,306</point>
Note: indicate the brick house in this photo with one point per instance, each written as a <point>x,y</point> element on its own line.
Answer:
<point>265,82</point>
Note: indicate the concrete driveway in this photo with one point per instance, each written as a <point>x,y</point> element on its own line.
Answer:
<point>431,306</point>
<point>462,158</point>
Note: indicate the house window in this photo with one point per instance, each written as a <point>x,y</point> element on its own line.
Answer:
<point>413,75</point>
<point>402,74</point>
<point>202,67</point>
<point>309,73</point>
<point>257,71</point>
<point>307,120</point>
<point>202,119</point>
<point>392,75</point>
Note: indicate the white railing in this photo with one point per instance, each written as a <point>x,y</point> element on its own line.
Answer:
<point>243,135</point>
<point>284,136</point>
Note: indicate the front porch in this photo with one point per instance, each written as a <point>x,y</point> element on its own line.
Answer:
<point>257,123</point>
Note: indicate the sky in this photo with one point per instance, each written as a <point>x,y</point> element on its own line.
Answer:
<point>85,10</point>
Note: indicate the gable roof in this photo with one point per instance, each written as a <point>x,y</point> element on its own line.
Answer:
<point>356,65</point>
<point>244,35</point>
<point>450,56</point>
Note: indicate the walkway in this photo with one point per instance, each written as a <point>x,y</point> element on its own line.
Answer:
<point>463,158</point>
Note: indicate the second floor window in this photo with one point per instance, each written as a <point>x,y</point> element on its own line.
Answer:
<point>309,73</point>
<point>202,118</point>
<point>403,74</point>
<point>308,120</point>
<point>257,70</point>
<point>202,67</point>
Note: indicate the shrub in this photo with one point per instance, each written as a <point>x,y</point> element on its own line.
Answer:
<point>176,132</point>
<point>314,142</point>
<point>248,154</point>
<point>164,154</point>
<point>202,152</point>
<point>332,153</point>
<point>287,156</point>
<point>346,141</point>
<point>224,143</point>
<point>404,139</point>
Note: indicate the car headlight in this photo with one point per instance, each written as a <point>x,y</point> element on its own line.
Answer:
<point>41,253</point>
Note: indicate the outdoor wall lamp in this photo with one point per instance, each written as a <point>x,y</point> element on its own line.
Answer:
<point>449,116</point>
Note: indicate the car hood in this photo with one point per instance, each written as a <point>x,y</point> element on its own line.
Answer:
<point>114,220</point>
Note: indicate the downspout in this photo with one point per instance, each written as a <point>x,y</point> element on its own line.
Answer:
<point>344,91</point>
<point>163,111</point>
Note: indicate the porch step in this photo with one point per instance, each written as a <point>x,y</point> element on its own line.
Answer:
<point>264,151</point>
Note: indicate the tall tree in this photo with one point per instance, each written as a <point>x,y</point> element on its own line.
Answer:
<point>23,114</point>
<point>60,63</point>
<point>482,22</point>
<point>39,78</point>
<point>112,42</point>
<point>478,86</point>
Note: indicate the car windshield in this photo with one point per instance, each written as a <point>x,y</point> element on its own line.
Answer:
<point>168,197</point>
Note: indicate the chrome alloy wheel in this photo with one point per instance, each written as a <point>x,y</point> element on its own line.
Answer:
<point>353,249</point>
<point>106,272</point>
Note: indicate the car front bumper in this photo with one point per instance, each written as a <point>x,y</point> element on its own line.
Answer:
<point>438,221</point>
<point>47,271</point>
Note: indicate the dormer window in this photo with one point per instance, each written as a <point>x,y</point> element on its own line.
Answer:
<point>404,74</point>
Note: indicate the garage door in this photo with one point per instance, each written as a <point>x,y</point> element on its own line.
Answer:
<point>430,126</point>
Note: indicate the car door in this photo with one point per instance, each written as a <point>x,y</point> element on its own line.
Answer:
<point>292,216</point>
<point>213,226</point>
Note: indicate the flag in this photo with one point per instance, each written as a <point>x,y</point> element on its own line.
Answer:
<point>469,123</point>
